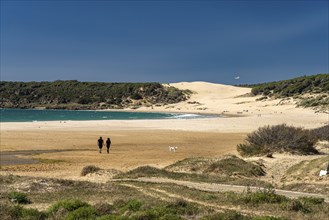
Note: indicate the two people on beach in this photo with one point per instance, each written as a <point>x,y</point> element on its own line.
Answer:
<point>100,144</point>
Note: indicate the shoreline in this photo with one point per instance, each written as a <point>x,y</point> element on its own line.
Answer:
<point>166,113</point>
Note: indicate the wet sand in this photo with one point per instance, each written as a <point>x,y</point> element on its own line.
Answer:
<point>129,149</point>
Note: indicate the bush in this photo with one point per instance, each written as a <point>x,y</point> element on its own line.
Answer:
<point>234,165</point>
<point>85,212</point>
<point>89,169</point>
<point>133,205</point>
<point>263,196</point>
<point>112,217</point>
<point>321,133</point>
<point>229,215</point>
<point>18,197</point>
<point>248,150</point>
<point>182,207</point>
<point>296,206</point>
<point>68,205</point>
<point>312,200</point>
<point>33,214</point>
<point>18,212</point>
<point>10,212</point>
<point>268,218</point>
<point>103,208</point>
<point>278,138</point>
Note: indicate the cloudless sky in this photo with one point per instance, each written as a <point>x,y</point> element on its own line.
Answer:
<point>163,41</point>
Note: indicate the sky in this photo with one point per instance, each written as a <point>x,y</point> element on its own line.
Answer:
<point>163,41</point>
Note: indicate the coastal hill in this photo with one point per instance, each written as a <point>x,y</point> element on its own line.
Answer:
<point>306,91</point>
<point>312,91</point>
<point>86,95</point>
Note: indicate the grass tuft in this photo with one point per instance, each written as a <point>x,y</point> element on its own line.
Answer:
<point>18,197</point>
<point>89,169</point>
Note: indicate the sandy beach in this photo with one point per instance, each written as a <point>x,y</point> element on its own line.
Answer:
<point>145,142</point>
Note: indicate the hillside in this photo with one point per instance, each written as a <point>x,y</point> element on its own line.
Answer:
<point>297,86</point>
<point>86,95</point>
<point>309,91</point>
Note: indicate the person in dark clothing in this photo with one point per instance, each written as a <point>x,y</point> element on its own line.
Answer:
<point>100,143</point>
<point>108,145</point>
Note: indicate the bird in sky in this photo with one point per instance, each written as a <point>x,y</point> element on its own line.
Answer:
<point>237,77</point>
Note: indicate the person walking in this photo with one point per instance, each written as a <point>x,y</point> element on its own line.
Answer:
<point>108,145</point>
<point>100,143</point>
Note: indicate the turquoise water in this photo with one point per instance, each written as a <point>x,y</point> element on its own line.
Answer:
<point>29,115</point>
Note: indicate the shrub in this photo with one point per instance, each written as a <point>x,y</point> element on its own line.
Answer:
<point>268,218</point>
<point>312,200</point>
<point>85,212</point>
<point>10,212</point>
<point>68,205</point>
<point>113,217</point>
<point>278,138</point>
<point>146,215</point>
<point>18,197</point>
<point>229,215</point>
<point>233,165</point>
<point>18,212</point>
<point>321,133</point>
<point>103,208</point>
<point>263,196</point>
<point>182,207</point>
<point>133,205</point>
<point>89,169</point>
<point>33,214</point>
<point>296,206</point>
<point>248,150</point>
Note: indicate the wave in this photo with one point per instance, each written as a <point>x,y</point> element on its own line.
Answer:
<point>183,116</point>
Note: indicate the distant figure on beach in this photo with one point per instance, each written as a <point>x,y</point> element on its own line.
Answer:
<point>108,145</point>
<point>100,143</point>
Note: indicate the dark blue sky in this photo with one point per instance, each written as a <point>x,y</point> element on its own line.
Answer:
<point>163,41</point>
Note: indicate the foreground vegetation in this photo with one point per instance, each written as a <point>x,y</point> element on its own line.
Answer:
<point>86,95</point>
<point>65,199</point>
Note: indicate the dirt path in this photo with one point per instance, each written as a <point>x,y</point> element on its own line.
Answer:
<point>213,187</point>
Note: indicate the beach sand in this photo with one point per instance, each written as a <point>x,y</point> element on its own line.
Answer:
<point>145,142</point>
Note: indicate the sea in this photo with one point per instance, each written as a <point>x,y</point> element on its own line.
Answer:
<point>34,115</point>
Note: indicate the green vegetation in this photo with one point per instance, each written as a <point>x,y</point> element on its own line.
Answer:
<point>212,173</point>
<point>229,165</point>
<point>308,167</point>
<point>289,88</point>
<point>322,100</point>
<point>18,197</point>
<point>278,138</point>
<point>68,205</point>
<point>86,95</point>
<point>267,195</point>
<point>235,166</point>
<point>89,169</point>
<point>137,200</point>
<point>309,91</point>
